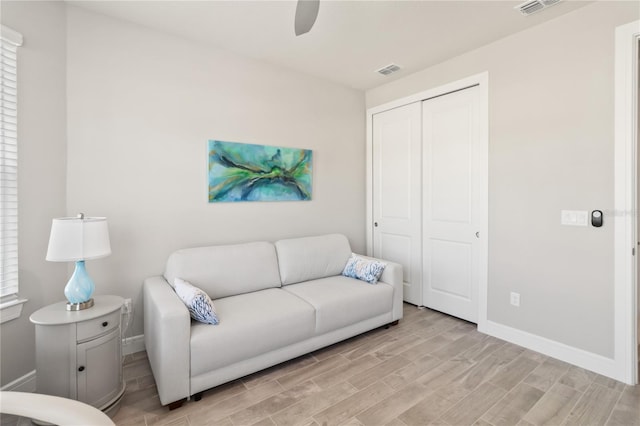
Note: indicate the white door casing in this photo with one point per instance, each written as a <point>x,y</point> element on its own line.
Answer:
<point>624,365</point>
<point>482,82</point>
<point>397,194</point>
<point>452,203</point>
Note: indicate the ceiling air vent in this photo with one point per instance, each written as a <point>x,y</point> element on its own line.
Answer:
<point>529,7</point>
<point>389,69</point>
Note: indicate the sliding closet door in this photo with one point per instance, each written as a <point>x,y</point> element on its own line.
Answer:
<point>452,203</point>
<point>397,193</point>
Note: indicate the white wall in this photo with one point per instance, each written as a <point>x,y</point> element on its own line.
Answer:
<point>141,107</point>
<point>41,169</point>
<point>550,148</point>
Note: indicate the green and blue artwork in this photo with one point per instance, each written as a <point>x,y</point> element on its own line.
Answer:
<point>247,172</point>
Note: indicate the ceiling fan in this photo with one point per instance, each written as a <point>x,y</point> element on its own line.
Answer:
<point>306,14</point>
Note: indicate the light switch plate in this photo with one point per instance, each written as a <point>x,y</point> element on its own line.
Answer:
<point>514,298</point>
<point>574,217</point>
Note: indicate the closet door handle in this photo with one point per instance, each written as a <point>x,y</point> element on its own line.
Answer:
<point>478,234</point>
<point>81,368</point>
<point>375,224</point>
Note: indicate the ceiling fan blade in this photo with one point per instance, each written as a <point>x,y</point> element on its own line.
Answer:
<point>306,14</point>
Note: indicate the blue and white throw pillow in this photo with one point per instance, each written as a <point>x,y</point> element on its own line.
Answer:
<point>368,270</point>
<point>197,301</point>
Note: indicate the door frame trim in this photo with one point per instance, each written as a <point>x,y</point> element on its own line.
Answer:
<point>625,203</point>
<point>482,81</point>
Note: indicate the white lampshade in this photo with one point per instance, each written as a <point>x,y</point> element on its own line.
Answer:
<point>75,238</point>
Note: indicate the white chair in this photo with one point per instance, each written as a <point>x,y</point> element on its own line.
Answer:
<point>52,409</point>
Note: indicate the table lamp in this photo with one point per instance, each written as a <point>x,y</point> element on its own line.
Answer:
<point>76,239</point>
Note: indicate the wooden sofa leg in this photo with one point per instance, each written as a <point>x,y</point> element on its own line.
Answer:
<point>176,404</point>
<point>198,396</point>
<point>391,324</point>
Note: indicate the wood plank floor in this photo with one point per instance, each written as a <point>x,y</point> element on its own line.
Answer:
<point>431,369</point>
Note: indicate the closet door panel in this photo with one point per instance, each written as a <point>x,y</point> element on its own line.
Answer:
<point>397,193</point>
<point>450,161</point>
<point>450,211</point>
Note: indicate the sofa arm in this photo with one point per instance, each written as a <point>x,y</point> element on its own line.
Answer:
<point>167,331</point>
<point>393,276</point>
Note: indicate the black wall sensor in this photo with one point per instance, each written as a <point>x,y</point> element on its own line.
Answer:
<point>596,218</point>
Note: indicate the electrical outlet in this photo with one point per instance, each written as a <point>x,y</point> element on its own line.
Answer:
<point>515,299</point>
<point>126,308</point>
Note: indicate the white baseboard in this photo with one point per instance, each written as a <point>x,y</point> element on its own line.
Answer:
<point>579,357</point>
<point>131,345</point>
<point>26,383</point>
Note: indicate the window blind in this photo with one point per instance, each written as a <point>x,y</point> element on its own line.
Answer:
<point>9,42</point>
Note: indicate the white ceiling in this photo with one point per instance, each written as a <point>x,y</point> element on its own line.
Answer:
<point>350,39</point>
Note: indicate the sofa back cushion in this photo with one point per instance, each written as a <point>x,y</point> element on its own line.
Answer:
<point>227,270</point>
<point>310,258</point>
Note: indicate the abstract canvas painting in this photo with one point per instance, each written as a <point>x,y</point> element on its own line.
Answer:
<point>248,172</point>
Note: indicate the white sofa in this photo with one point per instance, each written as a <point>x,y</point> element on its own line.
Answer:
<point>275,302</point>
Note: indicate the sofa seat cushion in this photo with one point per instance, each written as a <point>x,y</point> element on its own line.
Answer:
<point>250,324</point>
<point>340,301</point>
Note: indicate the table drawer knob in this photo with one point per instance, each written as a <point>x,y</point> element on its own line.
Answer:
<point>81,368</point>
<point>106,323</point>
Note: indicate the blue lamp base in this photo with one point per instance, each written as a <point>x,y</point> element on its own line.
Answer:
<point>79,289</point>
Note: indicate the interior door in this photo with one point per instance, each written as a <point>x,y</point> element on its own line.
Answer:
<point>397,193</point>
<point>452,203</point>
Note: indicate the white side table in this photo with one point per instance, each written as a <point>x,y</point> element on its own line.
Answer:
<point>79,353</point>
